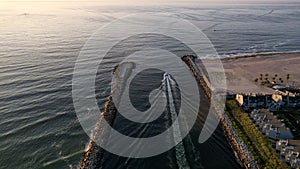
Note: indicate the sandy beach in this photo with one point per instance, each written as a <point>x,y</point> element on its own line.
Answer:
<point>241,71</point>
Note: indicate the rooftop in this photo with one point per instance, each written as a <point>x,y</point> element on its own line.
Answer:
<point>277,125</point>
<point>274,121</point>
<point>265,111</point>
<point>294,142</point>
<point>297,149</point>
<point>283,129</point>
<point>270,116</point>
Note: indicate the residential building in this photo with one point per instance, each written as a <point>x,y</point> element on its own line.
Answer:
<point>267,127</point>
<point>286,150</point>
<point>284,133</point>
<point>254,100</point>
<point>283,143</point>
<point>295,163</point>
<point>288,100</point>
<point>292,154</point>
<point>274,101</point>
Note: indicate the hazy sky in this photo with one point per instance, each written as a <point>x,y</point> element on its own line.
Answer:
<point>148,2</point>
<point>169,1</point>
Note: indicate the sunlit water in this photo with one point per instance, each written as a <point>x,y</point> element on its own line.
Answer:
<point>39,44</point>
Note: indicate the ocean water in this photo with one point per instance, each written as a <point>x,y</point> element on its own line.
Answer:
<point>39,45</point>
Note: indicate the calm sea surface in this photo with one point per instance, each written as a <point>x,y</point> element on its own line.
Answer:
<point>39,45</point>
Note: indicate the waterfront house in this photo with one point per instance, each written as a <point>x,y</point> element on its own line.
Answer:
<point>279,133</point>
<point>272,134</point>
<point>283,143</point>
<point>279,99</point>
<point>253,113</point>
<point>292,154</point>
<point>284,133</point>
<point>262,117</point>
<point>268,123</point>
<point>294,142</point>
<point>286,150</point>
<point>294,101</point>
<point>288,100</point>
<point>295,163</point>
<point>267,126</point>
<point>252,101</point>
<point>241,99</point>
<point>274,101</point>
<point>258,114</point>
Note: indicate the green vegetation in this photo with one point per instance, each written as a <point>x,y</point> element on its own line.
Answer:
<point>259,145</point>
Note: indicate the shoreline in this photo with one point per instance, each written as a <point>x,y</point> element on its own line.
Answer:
<point>241,71</point>
<point>251,55</point>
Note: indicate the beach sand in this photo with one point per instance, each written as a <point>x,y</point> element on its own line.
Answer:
<point>241,71</point>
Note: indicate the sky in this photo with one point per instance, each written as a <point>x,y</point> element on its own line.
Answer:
<point>145,2</point>
<point>150,1</point>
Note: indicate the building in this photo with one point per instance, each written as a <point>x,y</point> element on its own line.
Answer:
<point>290,151</point>
<point>261,117</point>
<point>284,133</point>
<point>274,101</point>
<point>283,143</point>
<point>294,101</point>
<point>254,100</point>
<point>287,100</point>
<point>286,150</point>
<point>268,123</point>
<point>264,120</point>
<point>272,134</point>
<point>294,142</point>
<point>268,126</point>
<point>295,163</point>
<point>292,154</point>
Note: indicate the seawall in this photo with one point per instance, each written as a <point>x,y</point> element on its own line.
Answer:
<point>242,151</point>
<point>93,154</point>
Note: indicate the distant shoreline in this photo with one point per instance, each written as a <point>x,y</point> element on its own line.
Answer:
<point>249,55</point>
